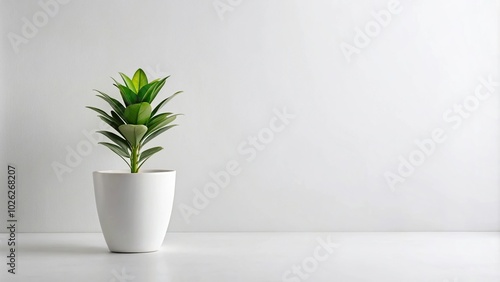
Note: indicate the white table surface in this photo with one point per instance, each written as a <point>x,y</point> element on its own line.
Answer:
<point>235,257</point>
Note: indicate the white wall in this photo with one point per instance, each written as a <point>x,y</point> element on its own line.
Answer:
<point>324,170</point>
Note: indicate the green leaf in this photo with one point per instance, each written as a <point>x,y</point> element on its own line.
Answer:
<point>138,113</point>
<point>117,139</point>
<point>160,121</point>
<point>117,118</point>
<point>110,122</point>
<point>128,95</point>
<point>133,133</point>
<point>116,82</point>
<point>115,104</point>
<point>151,135</point>
<point>148,153</point>
<point>141,93</point>
<point>116,149</point>
<point>157,119</point>
<point>128,82</point>
<point>162,103</point>
<point>115,122</point>
<point>140,79</point>
<point>157,89</point>
<point>153,91</point>
<point>144,89</point>
<point>98,111</point>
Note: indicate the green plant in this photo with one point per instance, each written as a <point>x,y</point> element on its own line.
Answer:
<point>135,120</point>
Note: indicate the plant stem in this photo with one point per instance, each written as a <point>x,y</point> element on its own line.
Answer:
<point>134,160</point>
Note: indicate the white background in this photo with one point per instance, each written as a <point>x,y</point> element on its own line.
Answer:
<point>323,172</point>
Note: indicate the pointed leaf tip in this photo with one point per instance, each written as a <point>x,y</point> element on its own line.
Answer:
<point>139,79</point>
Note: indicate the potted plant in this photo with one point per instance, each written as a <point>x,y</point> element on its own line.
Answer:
<point>134,206</point>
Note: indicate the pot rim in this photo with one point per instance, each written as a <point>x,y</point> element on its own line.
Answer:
<point>127,172</point>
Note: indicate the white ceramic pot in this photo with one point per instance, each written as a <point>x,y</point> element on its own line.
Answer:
<point>134,208</point>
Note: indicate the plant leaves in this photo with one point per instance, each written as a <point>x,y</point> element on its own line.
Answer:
<point>138,113</point>
<point>151,135</point>
<point>153,91</point>
<point>157,89</point>
<point>128,82</point>
<point>115,104</point>
<point>160,121</point>
<point>110,122</point>
<point>148,153</point>
<point>157,119</point>
<point>98,111</point>
<point>140,79</point>
<point>162,103</point>
<point>117,139</point>
<point>141,93</point>
<point>117,118</point>
<point>133,133</point>
<point>128,95</point>
<point>116,149</point>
